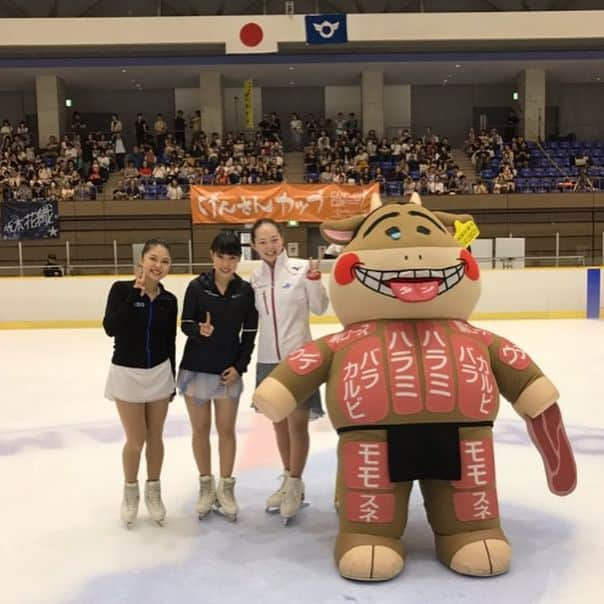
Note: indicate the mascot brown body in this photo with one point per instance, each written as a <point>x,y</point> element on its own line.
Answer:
<point>413,390</point>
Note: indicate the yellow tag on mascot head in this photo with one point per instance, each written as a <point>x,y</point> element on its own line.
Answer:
<point>413,390</point>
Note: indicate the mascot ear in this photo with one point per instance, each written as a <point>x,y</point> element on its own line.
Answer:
<point>340,231</point>
<point>415,198</point>
<point>449,219</point>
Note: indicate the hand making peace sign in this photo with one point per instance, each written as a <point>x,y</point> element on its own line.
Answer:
<point>139,282</point>
<point>313,271</point>
<point>206,329</point>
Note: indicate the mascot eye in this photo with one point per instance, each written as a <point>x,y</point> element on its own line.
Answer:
<point>394,233</point>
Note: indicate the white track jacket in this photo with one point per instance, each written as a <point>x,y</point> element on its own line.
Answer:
<point>284,300</point>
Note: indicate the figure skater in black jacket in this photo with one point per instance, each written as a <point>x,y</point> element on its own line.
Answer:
<point>141,316</point>
<point>220,319</point>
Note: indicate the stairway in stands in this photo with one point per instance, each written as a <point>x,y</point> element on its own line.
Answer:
<point>293,170</point>
<point>465,164</point>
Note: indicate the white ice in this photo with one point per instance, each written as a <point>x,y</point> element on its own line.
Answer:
<point>61,482</point>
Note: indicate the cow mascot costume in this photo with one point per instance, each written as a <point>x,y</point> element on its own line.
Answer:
<point>413,390</point>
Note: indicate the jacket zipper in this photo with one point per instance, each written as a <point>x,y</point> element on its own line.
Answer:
<point>265,303</point>
<point>274,312</point>
<point>148,334</point>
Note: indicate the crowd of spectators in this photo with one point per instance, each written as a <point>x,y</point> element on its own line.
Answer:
<point>159,165</point>
<point>168,170</point>
<point>337,153</point>
<point>530,167</point>
<point>72,168</point>
<point>170,157</point>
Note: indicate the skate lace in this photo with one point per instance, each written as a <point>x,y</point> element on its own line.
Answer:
<point>228,489</point>
<point>154,494</point>
<point>131,499</point>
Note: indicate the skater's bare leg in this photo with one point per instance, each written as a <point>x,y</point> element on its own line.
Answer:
<point>200,416</point>
<point>155,414</point>
<point>132,416</point>
<point>283,444</point>
<point>226,414</point>
<point>299,441</point>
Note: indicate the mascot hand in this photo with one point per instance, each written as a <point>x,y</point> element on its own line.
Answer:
<point>273,399</point>
<point>548,434</point>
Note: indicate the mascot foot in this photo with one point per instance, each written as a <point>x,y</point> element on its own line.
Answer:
<point>369,558</point>
<point>484,558</point>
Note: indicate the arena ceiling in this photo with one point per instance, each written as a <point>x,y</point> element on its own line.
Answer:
<point>138,8</point>
<point>449,64</point>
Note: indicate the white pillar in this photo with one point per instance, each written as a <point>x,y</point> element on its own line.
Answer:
<point>531,97</point>
<point>210,95</point>
<point>50,107</point>
<point>372,101</point>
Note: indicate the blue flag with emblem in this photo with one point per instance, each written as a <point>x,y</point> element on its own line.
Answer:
<point>326,29</point>
<point>30,219</point>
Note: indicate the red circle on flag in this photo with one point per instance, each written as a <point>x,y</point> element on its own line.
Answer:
<point>251,34</point>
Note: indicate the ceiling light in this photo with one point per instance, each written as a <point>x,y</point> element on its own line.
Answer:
<point>291,68</point>
<point>457,66</point>
<point>292,83</point>
<point>598,79</point>
<point>124,70</point>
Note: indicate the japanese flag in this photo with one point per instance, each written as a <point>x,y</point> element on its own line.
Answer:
<point>251,37</point>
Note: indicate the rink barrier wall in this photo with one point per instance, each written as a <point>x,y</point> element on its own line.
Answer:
<point>536,293</point>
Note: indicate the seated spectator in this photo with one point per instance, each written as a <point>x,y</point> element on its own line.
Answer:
<point>145,170</point>
<point>67,191</point>
<point>159,173</point>
<point>174,190</point>
<point>120,191</point>
<point>84,191</point>
<point>480,188</point>
<point>133,190</point>
<point>52,268</point>
<point>130,171</point>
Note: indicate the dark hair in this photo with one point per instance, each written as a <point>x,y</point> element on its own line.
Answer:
<point>151,243</point>
<point>262,221</point>
<point>226,242</point>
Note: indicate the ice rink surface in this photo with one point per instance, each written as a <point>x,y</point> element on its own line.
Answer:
<point>62,540</point>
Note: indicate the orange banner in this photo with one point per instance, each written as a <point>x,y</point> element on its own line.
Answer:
<point>238,204</point>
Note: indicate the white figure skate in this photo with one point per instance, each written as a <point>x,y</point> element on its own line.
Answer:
<point>207,496</point>
<point>273,503</point>
<point>293,499</point>
<point>225,499</point>
<point>156,507</point>
<point>129,509</point>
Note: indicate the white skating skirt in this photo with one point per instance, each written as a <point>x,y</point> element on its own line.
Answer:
<point>136,385</point>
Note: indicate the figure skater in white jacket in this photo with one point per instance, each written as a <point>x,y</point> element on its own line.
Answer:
<point>286,290</point>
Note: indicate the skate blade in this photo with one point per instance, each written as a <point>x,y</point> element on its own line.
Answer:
<point>160,522</point>
<point>202,515</point>
<point>129,525</point>
<point>230,517</point>
<point>287,520</point>
<point>272,510</point>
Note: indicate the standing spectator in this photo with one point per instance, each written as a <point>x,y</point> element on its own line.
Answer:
<point>141,129</point>
<point>296,130</point>
<point>78,126</point>
<point>220,320</point>
<point>116,126</point>
<point>179,130</point>
<point>141,316</point>
<point>120,151</point>
<point>195,124</point>
<point>160,129</point>
<point>286,291</point>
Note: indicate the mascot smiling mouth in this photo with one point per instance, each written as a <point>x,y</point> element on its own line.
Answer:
<point>411,285</point>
